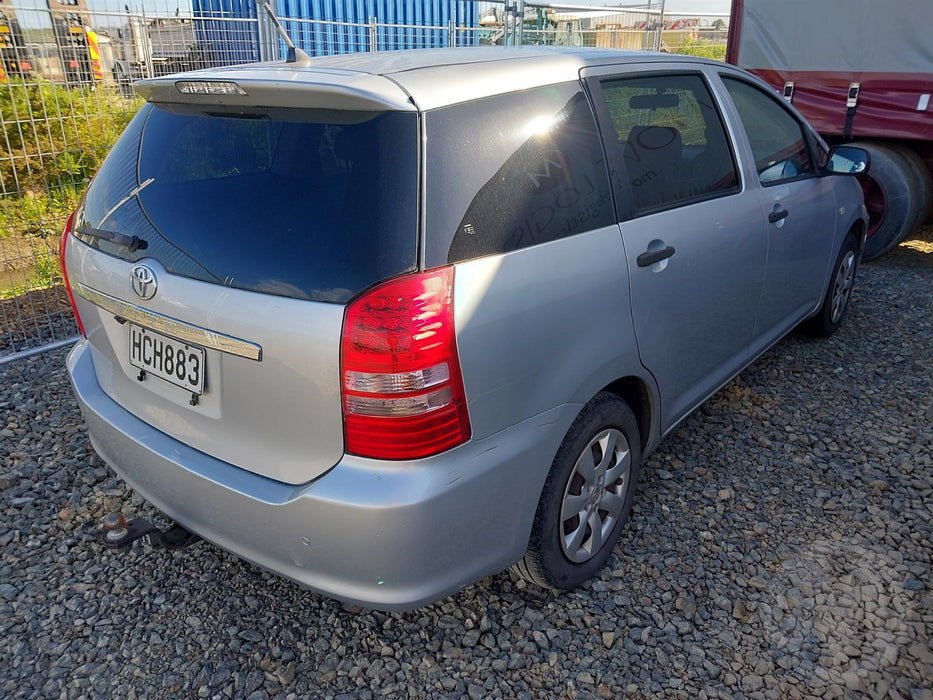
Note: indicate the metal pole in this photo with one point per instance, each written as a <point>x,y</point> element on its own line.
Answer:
<point>507,24</point>
<point>23,354</point>
<point>520,19</point>
<point>373,34</point>
<point>661,27</point>
<point>150,72</point>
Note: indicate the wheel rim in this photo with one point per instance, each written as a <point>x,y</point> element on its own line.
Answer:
<point>875,202</point>
<point>842,285</point>
<point>594,497</point>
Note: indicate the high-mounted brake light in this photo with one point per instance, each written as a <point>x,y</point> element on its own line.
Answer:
<point>66,234</point>
<point>209,87</point>
<point>403,394</point>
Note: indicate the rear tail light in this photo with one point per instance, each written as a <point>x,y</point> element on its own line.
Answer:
<point>66,234</point>
<point>402,390</point>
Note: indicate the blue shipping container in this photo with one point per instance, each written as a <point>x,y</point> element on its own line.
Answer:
<point>227,30</point>
<point>323,27</point>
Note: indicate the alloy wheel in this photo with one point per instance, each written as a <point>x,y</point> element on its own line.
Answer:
<point>594,497</point>
<point>842,285</point>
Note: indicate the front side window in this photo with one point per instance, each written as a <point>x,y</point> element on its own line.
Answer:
<point>671,139</point>
<point>776,137</point>
<point>513,171</point>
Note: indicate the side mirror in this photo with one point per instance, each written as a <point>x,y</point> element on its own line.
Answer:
<point>848,160</point>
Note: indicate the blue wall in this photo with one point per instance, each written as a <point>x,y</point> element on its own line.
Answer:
<point>236,42</point>
<point>227,42</point>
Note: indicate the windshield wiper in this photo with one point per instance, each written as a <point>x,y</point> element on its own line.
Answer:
<point>134,243</point>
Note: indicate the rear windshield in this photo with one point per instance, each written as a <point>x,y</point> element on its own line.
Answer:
<point>299,203</point>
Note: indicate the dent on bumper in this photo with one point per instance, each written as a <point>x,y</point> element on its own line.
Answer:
<point>384,535</point>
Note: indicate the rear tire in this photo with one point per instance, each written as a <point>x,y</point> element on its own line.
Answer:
<point>831,315</point>
<point>587,497</point>
<point>893,195</point>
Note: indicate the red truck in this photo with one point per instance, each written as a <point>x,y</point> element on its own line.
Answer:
<point>860,71</point>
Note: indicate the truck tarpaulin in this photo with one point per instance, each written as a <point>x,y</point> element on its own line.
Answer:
<point>825,47</point>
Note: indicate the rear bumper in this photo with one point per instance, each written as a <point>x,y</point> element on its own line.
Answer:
<point>384,535</point>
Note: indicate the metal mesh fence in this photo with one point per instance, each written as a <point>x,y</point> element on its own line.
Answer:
<point>66,77</point>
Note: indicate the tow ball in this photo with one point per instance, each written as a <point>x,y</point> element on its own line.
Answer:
<point>119,533</point>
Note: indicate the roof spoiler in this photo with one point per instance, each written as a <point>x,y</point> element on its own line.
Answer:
<point>277,86</point>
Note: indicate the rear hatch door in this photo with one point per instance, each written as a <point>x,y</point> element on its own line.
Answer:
<point>221,324</point>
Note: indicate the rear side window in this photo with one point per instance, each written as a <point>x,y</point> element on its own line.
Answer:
<point>776,137</point>
<point>297,203</point>
<point>672,140</point>
<point>513,171</point>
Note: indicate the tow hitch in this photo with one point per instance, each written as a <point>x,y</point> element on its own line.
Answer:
<point>119,533</point>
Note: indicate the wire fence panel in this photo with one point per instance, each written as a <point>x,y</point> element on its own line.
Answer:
<point>320,38</point>
<point>66,93</point>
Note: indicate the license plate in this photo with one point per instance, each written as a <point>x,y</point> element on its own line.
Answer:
<point>167,358</point>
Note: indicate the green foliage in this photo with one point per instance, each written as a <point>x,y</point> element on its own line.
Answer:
<point>56,136</point>
<point>46,267</point>
<point>705,49</point>
<point>54,140</point>
<point>38,214</point>
<point>42,274</point>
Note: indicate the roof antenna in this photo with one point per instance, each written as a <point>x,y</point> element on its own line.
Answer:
<point>294,55</point>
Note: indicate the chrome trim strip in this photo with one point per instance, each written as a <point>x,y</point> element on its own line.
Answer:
<point>170,326</point>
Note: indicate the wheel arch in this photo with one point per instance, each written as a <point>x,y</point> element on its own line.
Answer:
<point>638,395</point>
<point>859,228</point>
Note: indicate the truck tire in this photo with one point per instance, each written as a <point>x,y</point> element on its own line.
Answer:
<point>893,197</point>
<point>923,180</point>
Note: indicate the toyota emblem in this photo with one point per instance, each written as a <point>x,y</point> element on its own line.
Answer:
<point>144,281</point>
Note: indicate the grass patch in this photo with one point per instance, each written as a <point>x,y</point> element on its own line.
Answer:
<point>705,49</point>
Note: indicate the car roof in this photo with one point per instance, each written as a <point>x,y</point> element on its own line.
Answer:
<point>419,79</point>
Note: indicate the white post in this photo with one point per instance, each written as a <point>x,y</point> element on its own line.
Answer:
<point>661,27</point>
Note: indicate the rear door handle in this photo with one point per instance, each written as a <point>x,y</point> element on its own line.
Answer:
<point>651,257</point>
<point>777,215</point>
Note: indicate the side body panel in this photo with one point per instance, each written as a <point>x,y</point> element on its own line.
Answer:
<point>799,249</point>
<point>801,246</point>
<point>694,317</point>
<point>543,326</point>
<point>694,312</point>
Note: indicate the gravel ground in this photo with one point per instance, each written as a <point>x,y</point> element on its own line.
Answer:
<point>780,546</point>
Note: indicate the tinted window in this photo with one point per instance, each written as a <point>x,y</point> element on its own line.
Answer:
<point>776,137</point>
<point>295,203</point>
<point>512,171</point>
<point>671,138</point>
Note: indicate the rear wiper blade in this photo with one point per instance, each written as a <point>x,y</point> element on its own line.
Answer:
<point>134,243</point>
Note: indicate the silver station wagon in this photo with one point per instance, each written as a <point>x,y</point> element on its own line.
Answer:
<point>387,323</point>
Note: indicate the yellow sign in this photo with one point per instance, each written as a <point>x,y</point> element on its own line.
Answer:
<point>93,48</point>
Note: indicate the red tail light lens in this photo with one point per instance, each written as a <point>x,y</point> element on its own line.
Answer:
<point>402,390</point>
<point>66,234</point>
